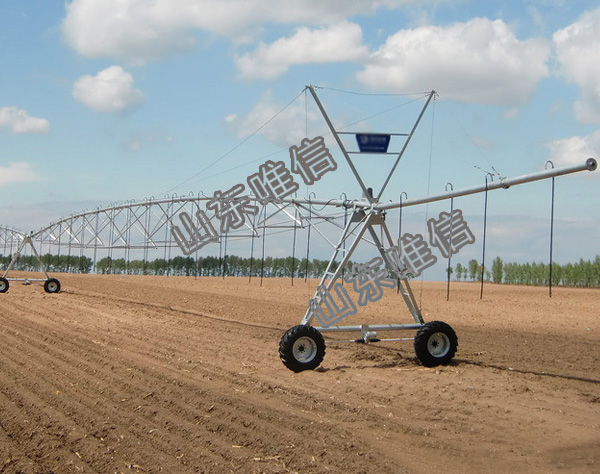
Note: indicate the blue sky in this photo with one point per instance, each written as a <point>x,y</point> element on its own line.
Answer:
<point>109,101</point>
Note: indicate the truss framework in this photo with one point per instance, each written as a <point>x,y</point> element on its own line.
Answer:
<point>302,347</point>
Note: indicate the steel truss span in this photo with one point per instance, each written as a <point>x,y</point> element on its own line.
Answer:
<point>148,224</point>
<point>9,238</point>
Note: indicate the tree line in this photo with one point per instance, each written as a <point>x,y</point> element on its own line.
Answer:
<point>585,273</point>
<point>229,265</point>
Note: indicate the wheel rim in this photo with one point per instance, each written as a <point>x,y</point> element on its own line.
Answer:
<point>2,285</point>
<point>52,287</point>
<point>304,349</point>
<point>438,344</point>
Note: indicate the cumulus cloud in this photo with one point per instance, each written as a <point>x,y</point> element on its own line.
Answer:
<point>18,172</point>
<point>18,121</point>
<point>142,139</point>
<point>575,150</point>
<point>340,42</point>
<point>286,129</point>
<point>577,48</point>
<point>480,61</point>
<point>140,30</point>
<point>110,91</point>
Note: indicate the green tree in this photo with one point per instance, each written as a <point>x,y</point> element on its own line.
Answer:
<point>497,270</point>
<point>473,269</point>
<point>459,271</point>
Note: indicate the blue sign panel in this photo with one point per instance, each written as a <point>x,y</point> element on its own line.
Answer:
<point>373,142</point>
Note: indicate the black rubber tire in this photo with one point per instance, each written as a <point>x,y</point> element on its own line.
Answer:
<point>52,285</point>
<point>435,344</point>
<point>302,348</point>
<point>4,285</point>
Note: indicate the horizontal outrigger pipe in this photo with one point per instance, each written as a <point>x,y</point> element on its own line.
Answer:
<point>589,165</point>
<point>504,183</point>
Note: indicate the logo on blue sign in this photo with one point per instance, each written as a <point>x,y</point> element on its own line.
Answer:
<point>373,142</point>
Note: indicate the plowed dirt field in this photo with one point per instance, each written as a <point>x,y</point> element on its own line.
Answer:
<point>179,375</point>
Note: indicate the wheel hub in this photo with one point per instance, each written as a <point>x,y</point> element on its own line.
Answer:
<point>304,349</point>
<point>438,344</point>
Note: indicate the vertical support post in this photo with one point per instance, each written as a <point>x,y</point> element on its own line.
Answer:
<point>449,267</point>
<point>59,237</point>
<point>484,232</point>
<point>128,246</point>
<point>146,238</point>
<point>308,238</point>
<point>293,264</point>
<point>111,239</point>
<point>252,249</point>
<point>225,257</point>
<point>167,220</point>
<point>262,263</point>
<point>81,244</point>
<point>96,241</point>
<point>551,234</point>
<point>69,250</point>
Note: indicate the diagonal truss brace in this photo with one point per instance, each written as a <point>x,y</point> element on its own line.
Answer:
<point>362,222</point>
<point>336,135</point>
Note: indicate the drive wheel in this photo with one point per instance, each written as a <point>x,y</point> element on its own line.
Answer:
<point>302,348</point>
<point>52,285</point>
<point>435,344</point>
<point>3,285</point>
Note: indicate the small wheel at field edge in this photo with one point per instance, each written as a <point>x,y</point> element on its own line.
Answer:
<point>52,285</point>
<point>302,348</point>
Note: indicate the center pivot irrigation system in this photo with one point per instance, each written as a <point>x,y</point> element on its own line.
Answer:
<point>302,347</point>
<point>137,228</point>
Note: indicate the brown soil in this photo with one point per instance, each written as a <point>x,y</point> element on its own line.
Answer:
<point>180,375</point>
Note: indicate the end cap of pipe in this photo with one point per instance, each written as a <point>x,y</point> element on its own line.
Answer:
<point>591,164</point>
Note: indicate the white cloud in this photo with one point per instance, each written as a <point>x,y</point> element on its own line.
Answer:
<point>577,50</point>
<point>480,61</point>
<point>575,150</point>
<point>111,90</point>
<point>18,121</point>
<point>17,172</point>
<point>143,139</point>
<point>480,142</point>
<point>286,129</point>
<point>140,30</point>
<point>511,113</point>
<point>340,42</point>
